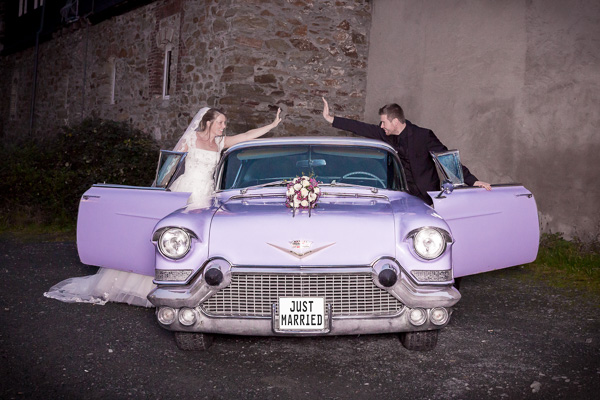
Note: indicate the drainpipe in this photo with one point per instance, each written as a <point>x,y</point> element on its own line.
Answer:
<point>85,56</point>
<point>35,68</point>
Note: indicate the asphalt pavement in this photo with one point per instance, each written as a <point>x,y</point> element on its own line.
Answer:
<point>511,337</point>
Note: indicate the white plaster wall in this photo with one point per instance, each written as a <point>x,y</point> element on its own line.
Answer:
<point>513,84</point>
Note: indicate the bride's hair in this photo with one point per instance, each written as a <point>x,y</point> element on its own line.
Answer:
<point>209,116</point>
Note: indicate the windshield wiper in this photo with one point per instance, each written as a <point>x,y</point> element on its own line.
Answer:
<point>276,183</point>
<point>334,183</point>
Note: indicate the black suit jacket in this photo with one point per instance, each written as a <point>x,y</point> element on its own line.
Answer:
<point>420,142</point>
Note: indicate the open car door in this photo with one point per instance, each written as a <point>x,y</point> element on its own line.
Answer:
<point>491,229</point>
<point>115,222</point>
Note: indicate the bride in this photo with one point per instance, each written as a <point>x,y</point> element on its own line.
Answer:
<point>203,140</point>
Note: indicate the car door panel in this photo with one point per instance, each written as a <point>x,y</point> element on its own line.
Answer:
<point>115,225</point>
<point>491,229</point>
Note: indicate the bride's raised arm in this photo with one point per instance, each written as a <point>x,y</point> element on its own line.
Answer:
<point>252,133</point>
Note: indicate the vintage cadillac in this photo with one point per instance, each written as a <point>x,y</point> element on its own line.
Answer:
<point>368,258</point>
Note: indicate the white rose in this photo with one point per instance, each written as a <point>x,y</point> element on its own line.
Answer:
<point>296,202</point>
<point>312,197</point>
<point>317,190</point>
<point>303,192</point>
<point>297,186</point>
<point>304,203</point>
<point>290,191</point>
<point>305,183</point>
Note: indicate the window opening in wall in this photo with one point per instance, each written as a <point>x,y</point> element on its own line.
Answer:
<point>37,3</point>
<point>66,104</point>
<point>22,7</point>
<point>13,100</point>
<point>70,11</point>
<point>113,81</point>
<point>167,73</point>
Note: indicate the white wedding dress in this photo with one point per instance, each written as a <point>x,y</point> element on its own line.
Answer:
<point>104,286</point>
<point>200,165</point>
<point>198,176</point>
<point>128,287</point>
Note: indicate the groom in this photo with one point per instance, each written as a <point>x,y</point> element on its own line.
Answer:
<point>411,142</point>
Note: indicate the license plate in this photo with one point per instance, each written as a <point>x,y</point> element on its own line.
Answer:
<point>301,313</point>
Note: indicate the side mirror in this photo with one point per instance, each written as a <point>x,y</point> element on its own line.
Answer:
<point>449,167</point>
<point>447,188</point>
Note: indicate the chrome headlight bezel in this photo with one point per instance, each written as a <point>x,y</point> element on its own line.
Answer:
<point>185,236</point>
<point>432,235</point>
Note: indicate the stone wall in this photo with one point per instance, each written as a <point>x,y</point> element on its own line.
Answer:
<point>513,84</point>
<point>247,57</point>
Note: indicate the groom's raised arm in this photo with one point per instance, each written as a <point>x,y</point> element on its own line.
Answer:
<point>359,128</point>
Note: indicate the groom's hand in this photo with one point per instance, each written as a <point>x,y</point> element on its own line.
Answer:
<point>328,118</point>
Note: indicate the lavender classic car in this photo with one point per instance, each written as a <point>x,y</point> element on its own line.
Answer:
<point>369,258</point>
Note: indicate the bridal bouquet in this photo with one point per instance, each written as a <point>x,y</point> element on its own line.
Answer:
<point>302,193</point>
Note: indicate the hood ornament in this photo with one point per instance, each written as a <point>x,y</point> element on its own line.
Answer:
<point>300,248</point>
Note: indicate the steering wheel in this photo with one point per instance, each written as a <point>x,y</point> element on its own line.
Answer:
<point>370,175</point>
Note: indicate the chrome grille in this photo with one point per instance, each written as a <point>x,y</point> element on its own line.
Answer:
<point>252,295</point>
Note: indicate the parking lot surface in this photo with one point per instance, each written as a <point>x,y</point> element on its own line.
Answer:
<point>510,337</point>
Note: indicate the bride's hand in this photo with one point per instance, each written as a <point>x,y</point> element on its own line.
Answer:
<point>277,118</point>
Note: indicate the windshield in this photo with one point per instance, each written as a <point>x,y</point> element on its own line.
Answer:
<point>363,166</point>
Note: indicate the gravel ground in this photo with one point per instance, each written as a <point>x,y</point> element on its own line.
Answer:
<point>510,337</point>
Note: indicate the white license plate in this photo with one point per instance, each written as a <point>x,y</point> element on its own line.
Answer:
<point>301,313</point>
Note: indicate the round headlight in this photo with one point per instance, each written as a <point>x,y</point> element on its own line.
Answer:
<point>429,243</point>
<point>166,315</point>
<point>174,243</point>
<point>417,316</point>
<point>187,316</point>
<point>439,316</point>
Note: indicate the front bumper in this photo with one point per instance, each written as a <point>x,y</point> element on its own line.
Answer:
<point>245,303</point>
<point>264,326</point>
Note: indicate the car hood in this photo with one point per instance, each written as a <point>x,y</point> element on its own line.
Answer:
<point>340,231</point>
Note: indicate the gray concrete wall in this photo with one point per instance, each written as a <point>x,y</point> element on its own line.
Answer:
<point>513,84</point>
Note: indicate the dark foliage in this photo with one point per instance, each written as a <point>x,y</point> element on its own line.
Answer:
<point>42,181</point>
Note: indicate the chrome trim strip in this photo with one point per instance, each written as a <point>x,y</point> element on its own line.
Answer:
<point>492,185</point>
<point>337,317</point>
<point>115,186</point>
<point>357,195</point>
<point>277,269</point>
<point>257,196</point>
<point>312,140</point>
<point>327,194</point>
